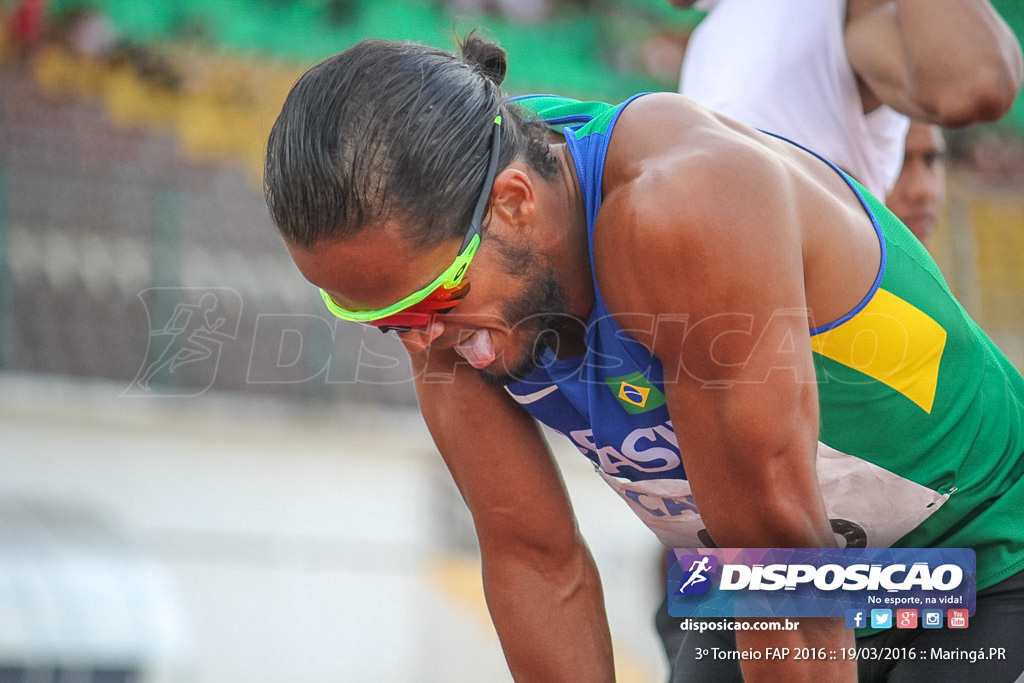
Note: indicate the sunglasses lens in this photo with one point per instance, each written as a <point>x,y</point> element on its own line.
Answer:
<point>417,316</point>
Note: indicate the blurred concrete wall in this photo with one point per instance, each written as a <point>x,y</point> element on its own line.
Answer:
<point>316,546</point>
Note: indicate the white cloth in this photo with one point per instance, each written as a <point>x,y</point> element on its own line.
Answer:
<point>781,66</point>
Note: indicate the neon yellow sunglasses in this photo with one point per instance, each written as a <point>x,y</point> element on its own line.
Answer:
<point>448,288</point>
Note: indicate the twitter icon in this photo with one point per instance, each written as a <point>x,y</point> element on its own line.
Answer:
<point>881,618</point>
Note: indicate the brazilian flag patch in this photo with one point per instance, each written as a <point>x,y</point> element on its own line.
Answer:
<point>635,393</point>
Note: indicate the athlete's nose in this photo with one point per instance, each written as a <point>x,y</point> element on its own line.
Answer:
<point>419,339</point>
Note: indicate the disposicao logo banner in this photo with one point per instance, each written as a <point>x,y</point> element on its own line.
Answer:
<point>810,582</point>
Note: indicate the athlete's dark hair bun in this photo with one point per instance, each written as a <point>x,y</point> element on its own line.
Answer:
<point>489,58</point>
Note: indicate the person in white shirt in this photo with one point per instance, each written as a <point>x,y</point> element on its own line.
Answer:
<point>843,77</point>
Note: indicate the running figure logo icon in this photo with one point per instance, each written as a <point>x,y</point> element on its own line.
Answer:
<point>698,568</point>
<point>188,329</point>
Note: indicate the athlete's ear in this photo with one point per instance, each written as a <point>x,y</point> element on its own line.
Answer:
<point>513,200</point>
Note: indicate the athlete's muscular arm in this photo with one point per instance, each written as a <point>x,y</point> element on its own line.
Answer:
<point>542,586</point>
<point>949,62</point>
<point>712,244</point>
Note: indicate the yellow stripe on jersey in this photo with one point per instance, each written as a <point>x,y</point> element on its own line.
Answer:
<point>892,341</point>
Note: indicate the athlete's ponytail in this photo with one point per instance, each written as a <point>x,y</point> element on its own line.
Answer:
<point>529,139</point>
<point>489,58</point>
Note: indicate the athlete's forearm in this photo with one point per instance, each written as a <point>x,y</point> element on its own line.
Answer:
<point>965,61</point>
<point>549,616</point>
<point>948,62</point>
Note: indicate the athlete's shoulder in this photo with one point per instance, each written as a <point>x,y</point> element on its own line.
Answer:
<point>672,161</point>
<point>686,194</point>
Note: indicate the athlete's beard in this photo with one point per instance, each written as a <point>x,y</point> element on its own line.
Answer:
<point>538,317</point>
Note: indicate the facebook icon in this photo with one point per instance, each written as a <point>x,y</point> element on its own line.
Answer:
<point>856,618</point>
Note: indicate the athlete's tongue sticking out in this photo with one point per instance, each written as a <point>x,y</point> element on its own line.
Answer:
<point>478,349</point>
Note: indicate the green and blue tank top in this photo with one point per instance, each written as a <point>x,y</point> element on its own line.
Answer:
<point>921,440</point>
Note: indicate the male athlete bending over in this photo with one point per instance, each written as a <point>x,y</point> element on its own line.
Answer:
<point>752,349</point>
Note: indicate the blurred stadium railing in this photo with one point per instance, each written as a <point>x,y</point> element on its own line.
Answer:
<point>124,209</point>
<point>134,242</point>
